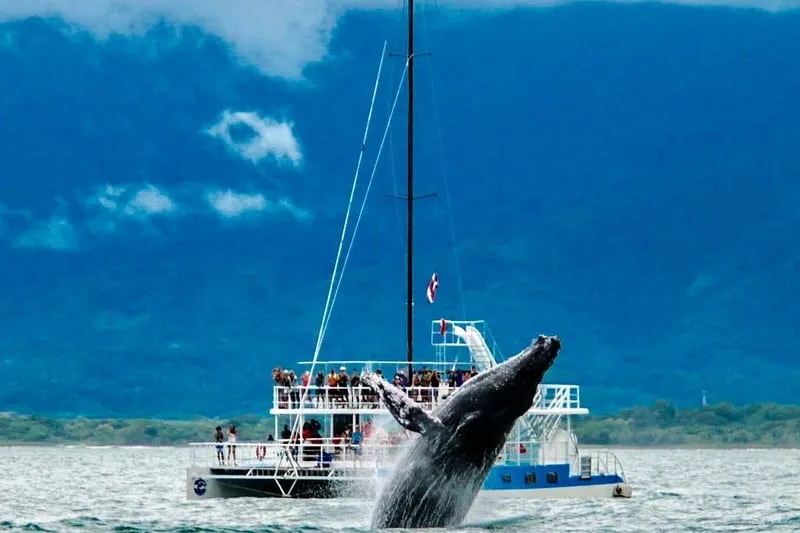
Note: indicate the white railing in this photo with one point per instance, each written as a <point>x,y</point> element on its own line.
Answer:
<point>520,453</point>
<point>386,366</point>
<point>472,335</point>
<point>605,462</point>
<point>259,457</point>
<point>262,458</point>
<point>349,398</point>
<point>555,399</point>
<point>553,396</point>
<point>332,457</point>
<point>450,339</point>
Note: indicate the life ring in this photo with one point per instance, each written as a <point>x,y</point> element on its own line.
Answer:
<point>261,452</point>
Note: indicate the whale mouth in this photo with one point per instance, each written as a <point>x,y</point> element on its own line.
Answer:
<point>546,347</point>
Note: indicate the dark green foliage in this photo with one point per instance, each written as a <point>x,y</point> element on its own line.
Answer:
<point>38,430</point>
<point>660,424</point>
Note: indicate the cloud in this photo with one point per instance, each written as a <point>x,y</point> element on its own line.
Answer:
<point>277,36</point>
<point>111,206</point>
<point>115,210</point>
<point>230,204</point>
<point>264,137</point>
<point>55,233</point>
<point>149,201</point>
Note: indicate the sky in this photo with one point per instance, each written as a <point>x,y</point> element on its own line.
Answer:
<point>175,176</point>
<point>276,37</point>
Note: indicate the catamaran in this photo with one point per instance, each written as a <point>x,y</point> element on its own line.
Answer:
<point>335,438</point>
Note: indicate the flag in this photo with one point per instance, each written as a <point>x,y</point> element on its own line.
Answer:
<point>442,327</point>
<point>433,284</point>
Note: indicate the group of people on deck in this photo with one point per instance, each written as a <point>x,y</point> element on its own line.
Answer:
<point>341,388</point>
<point>349,442</point>
<point>219,438</point>
<point>314,444</point>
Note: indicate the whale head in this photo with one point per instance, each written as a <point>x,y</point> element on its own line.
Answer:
<point>506,391</point>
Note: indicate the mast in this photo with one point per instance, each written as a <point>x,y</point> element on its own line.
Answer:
<point>410,195</point>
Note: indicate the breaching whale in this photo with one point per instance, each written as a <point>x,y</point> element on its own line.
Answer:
<point>438,477</point>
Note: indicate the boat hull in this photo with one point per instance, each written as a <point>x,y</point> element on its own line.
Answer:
<point>205,483</point>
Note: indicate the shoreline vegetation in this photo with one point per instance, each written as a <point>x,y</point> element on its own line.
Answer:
<point>659,425</point>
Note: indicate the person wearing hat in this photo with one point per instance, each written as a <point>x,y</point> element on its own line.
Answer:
<point>344,379</point>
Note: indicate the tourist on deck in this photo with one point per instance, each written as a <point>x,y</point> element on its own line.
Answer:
<point>416,384</point>
<point>333,382</point>
<point>232,434</point>
<point>425,383</point>
<point>320,390</point>
<point>294,392</point>
<point>356,441</point>
<point>343,382</point>
<point>434,384</point>
<point>398,381</point>
<point>355,387</point>
<point>219,438</point>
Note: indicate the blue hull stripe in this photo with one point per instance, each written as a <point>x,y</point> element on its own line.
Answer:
<point>520,477</point>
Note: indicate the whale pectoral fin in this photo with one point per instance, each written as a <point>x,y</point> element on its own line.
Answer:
<point>406,411</point>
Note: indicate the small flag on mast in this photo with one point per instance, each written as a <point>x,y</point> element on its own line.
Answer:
<point>442,327</point>
<point>433,284</point>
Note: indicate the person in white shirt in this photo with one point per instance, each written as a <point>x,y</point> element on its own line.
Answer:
<point>232,433</point>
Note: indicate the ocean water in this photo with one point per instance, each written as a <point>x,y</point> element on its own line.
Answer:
<point>133,489</point>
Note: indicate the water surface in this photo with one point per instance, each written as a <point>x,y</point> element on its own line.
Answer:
<point>132,489</point>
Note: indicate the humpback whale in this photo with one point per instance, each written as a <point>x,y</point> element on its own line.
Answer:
<point>435,481</point>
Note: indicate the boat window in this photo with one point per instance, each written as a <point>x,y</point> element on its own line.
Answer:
<point>552,477</point>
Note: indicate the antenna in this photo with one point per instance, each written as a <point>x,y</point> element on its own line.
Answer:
<point>410,195</point>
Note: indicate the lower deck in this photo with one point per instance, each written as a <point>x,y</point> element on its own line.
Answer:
<point>279,473</point>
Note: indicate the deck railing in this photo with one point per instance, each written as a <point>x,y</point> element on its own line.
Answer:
<point>330,453</point>
<point>322,453</point>
<point>606,462</point>
<point>549,397</point>
<point>360,397</point>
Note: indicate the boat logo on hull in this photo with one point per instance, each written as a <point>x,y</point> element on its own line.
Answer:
<point>199,486</point>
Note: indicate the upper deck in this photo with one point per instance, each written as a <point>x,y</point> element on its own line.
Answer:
<point>461,351</point>
<point>550,399</point>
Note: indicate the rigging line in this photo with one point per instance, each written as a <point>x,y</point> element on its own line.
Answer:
<point>393,171</point>
<point>328,303</point>
<point>369,186</point>
<point>438,128</point>
<point>392,162</point>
